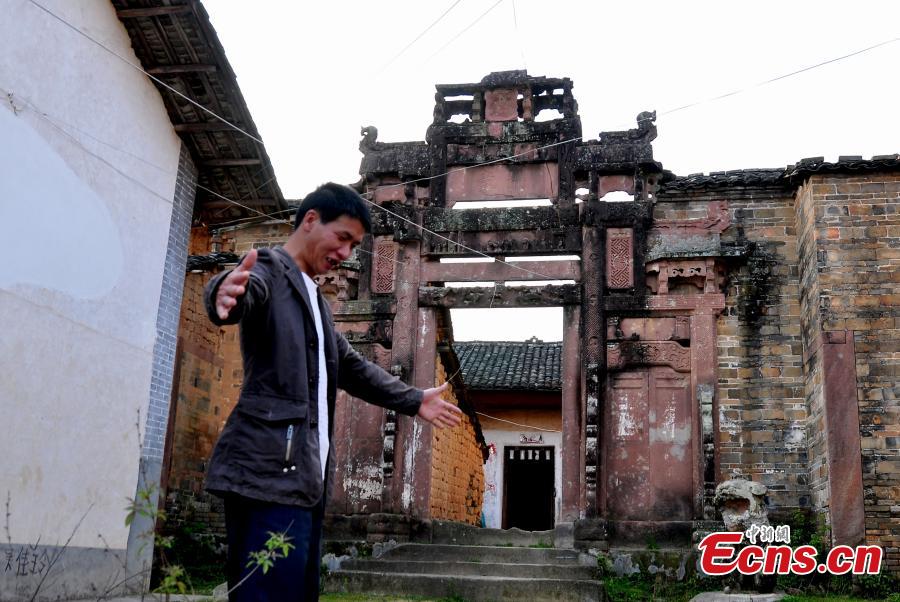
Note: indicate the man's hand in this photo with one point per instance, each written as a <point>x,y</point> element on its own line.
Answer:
<point>437,411</point>
<point>234,285</point>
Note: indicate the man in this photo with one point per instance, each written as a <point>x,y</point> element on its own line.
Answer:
<point>271,460</point>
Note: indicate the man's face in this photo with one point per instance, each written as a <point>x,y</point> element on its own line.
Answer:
<point>327,245</point>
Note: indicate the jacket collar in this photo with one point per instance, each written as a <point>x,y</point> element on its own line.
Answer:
<point>295,277</point>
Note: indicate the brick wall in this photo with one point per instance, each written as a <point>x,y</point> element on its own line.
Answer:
<point>811,328</point>
<point>457,474</point>
<point>852,264</point>
<point>761,404</point>
<point>209,375</point>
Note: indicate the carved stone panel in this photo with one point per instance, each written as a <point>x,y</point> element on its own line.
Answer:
<point>385,261</point>
<point>619,258</point>
<point>501,105</point>
<point>658,353</point>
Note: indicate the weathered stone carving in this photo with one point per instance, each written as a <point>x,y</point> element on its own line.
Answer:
<point>742,504</point>
<point>369,140</point>
<point>385,262</point>
<point>661,353</point>
<point>645,132</point>
<point>341,284</point>
<point>703,274</point>
<point>619,258</point>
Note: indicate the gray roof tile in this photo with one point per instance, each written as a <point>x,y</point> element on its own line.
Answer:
<point>508,365</point>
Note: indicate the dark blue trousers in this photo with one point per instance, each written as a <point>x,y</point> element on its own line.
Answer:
<point>291,579</point>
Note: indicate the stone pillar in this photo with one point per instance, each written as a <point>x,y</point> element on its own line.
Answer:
<point>593,363</point>
<point>398,429</point>
<point>848,518</point>
<point>417,450</point>
<point>705,407</point>
<point>572,417</point>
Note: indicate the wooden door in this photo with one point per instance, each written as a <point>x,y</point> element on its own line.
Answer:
<point>649,449</point>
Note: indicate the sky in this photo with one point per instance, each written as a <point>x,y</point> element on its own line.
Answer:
<point>314,73</point>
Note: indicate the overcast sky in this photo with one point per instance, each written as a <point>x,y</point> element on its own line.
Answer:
<point>313,73</point>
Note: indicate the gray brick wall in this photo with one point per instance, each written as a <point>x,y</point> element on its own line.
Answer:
<point>170,308</point>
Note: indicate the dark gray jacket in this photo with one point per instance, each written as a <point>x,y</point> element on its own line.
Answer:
<point>269,448</point>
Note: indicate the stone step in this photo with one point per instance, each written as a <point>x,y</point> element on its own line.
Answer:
<point>449,532</point>
<point>419,551</point>
<point>484,569</point>
<point>672,563</point>
<point>470,588</point>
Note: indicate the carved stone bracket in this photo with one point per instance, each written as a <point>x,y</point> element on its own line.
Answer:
<point>341,284</point>
<point>703,274</point>
<point>661,353</point>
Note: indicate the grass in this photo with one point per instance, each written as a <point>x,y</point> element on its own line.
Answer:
<point>636,588</point>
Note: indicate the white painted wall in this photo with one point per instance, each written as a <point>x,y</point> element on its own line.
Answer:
<point>493,470</point>
<point>87,176</point>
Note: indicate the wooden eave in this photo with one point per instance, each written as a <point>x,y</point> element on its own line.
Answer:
<point>176,43</point>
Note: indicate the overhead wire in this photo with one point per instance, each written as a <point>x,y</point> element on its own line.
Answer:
<point>418,37</point>
<point>779,78</point>
<point>518,35</point>
<point>528,426</point>
<point>464,30</point>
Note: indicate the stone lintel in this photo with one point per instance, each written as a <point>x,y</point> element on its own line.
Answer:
<point>500,272</point>
<point>347,311</point>
<point>488,220</point>
<point>501,296</point>
<point>674,303</point>
<point>565,240</point>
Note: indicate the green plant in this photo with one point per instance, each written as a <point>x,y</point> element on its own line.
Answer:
<point>604,565</point>
<point>277,546</point>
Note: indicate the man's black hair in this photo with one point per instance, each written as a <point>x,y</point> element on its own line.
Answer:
<point>331,201</point>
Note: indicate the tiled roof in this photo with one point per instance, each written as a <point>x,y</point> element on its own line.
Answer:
<point>176,44</point>
<point>781,176</point>
<point>496,365</point>
<point>721,179</point>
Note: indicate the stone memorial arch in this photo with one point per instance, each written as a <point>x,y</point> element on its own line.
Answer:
<point>638,375</point>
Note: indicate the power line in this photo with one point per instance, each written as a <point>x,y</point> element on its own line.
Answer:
<point>779,78</point>
<point>518,36</point>
<point>467,28</point>
<point>529,427</point>
<point>418,37</point>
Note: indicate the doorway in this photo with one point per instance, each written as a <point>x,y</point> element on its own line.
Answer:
<point>528,487</point>
<point>650,456</point>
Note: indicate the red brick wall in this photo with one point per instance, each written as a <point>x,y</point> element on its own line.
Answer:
<point>457,472</point>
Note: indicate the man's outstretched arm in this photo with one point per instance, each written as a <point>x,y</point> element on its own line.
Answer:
<point>226,295</point>
<point>361,378</point>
